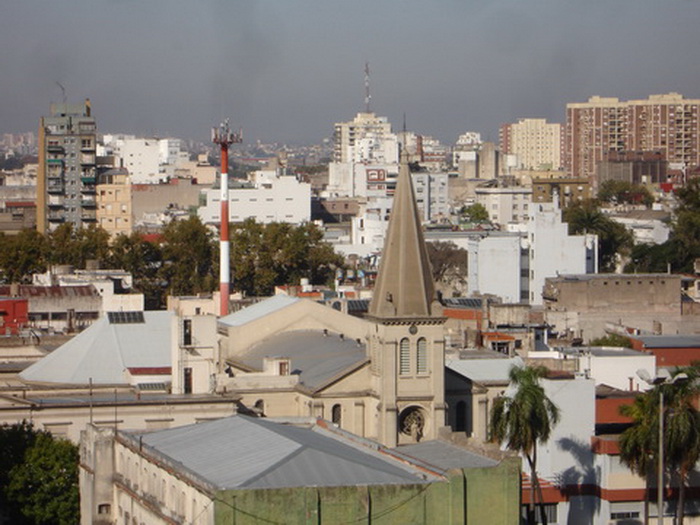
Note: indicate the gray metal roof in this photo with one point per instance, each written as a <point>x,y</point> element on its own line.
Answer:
<point>241,452</point>
<point>317,358</point>
<point>485,370</point>
<point>446,456</point>
<point>258,310</point>
<point>104,352</point>
<point>669,341</point>
<point>600,351</point>
<point>463,302</point>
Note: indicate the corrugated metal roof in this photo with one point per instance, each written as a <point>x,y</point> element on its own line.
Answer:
<point>669,341</point>
<point>482,370</point>
<point>463,302</point>
<point>446,456</point>
<point>243,452</point>
<point>316,357</point>
<point>258,310</point>
<point>104,351</point>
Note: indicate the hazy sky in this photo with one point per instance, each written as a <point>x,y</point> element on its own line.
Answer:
<point>287,70</point>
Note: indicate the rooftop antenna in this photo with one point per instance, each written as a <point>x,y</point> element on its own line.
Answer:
<point>368,97</point>
<point>404,122</point>
<point>63,90</point>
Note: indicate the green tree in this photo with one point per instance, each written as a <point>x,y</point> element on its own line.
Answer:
<point>623,192</point>
<point>683,246</point>
<point>143,260</point>
<point>188,257</point>
<point>267,255</point>
<point>45,485</point>
<point>639,445</point>
<point>75,246</point>
<point>614,240</point>
<point>681,431</point>
<point>475,213</point>
<point>611,340</point>
<point>22,255</point>
<point>38,477</point>
<point>448,262</point>
<point>524,419</point>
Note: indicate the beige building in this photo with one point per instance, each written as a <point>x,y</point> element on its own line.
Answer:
<point>381,377</point>
<point>114,202</point>
<point>536,143</point>
<point>666,123</point>
<point>366,138</point>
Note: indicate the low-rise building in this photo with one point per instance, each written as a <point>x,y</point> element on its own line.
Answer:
<point>282,471</point>
<point>269,198</point>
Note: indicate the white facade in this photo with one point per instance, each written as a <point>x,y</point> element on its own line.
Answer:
<point>270,199</point>
<point>514,265</point>
<point>350,179</point>
<point>431,195</point>
<point>142,158</point>
<point>506,205</point>
<point>645,231</point>
<point>366,138</point>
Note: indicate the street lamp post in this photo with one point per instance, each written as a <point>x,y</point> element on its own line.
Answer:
<point>663,377</point>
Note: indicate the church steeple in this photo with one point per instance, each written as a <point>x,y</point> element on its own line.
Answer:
<point>404,287</point>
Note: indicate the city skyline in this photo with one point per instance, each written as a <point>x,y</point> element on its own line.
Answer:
<point>286,71</point>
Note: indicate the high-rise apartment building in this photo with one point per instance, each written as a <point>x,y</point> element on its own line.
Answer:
<point>664,123</point>
<point>536,143</point>
<point>367,138</point>
<point>67,167</point>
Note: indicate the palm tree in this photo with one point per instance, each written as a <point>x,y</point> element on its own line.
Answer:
<point>524,419</point>
<point>682,431</point>
<point>638,444</point>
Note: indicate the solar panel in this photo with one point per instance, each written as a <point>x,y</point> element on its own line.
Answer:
<point>125,317</point>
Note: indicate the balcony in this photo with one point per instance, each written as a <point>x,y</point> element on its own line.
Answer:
<point>87,189</point>
<point>56,216</point>
<point>88,179</point>
<point>87,159</point>
<point>55,201</point>
<point>55,162</point>
<point>88,216</point>
<point>55,148</point>
<point>88,202</point>
<point>55,187</point>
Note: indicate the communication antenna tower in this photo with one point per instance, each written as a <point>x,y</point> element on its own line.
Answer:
<point>368,97</point>
<point>224,138</point>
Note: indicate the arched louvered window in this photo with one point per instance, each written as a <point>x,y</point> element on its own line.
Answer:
<point>422,356</point>
<point>404,357</point>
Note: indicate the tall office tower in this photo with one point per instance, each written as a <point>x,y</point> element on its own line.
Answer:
<point>368,138</point>
<point>664,123</point>
<point>536,143</point>
<point>67,167</point>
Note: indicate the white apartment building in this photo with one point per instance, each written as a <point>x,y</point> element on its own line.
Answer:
<point>514,264</point>
<point>505,205</point>
<point>351,179</point>
<point>272,198</point>
<point>536,143</point>
<point>365,157</point>
<point>366,138</point>
<point>431,193</point>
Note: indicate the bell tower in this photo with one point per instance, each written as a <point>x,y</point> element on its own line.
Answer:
<point>406,340</point>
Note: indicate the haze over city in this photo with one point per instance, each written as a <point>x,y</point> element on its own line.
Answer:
<point>286,71</point>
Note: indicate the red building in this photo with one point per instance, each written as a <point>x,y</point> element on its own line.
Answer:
<point>13,315</point>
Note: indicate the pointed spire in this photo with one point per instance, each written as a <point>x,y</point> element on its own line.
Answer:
<point>404,285</point>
